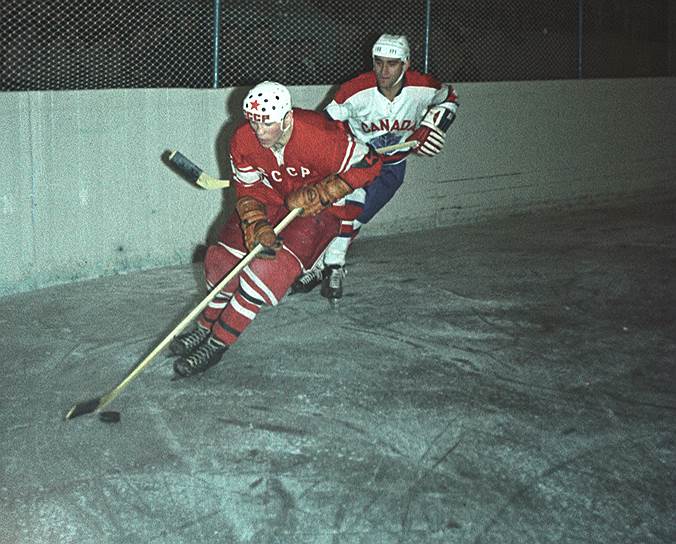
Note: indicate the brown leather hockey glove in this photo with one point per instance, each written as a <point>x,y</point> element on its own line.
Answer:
<point>315,198</point>
<point>256,228</point>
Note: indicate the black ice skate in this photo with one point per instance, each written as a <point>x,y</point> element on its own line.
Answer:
<point>188,342</point>
<point>332,283</point>
<point>307,281</point>
<point>204,357</point>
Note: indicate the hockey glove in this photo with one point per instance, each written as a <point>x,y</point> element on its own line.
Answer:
<point>315,198</point>
<point>431,133</point>
<point>430,141</point>
<point>256,228</point>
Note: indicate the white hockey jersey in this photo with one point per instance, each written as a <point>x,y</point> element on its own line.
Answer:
<point>376,120</point>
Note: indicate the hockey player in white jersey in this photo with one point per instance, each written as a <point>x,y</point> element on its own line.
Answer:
<point>388,105</point>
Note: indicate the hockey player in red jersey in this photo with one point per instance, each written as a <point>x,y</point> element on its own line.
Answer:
<point>383,107</point>
<point>282,158</point>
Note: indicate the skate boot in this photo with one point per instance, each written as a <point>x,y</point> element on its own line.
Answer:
<point>204,357</point>
<point>332,283</point>
<point>189,341</point>
<point>307,281</point>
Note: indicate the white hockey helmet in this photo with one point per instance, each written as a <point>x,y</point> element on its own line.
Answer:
<point>391,46</point>
<point>267,102</point>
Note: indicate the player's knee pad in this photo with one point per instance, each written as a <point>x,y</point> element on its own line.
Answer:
<point>218,262</point>
<point>269,279</point>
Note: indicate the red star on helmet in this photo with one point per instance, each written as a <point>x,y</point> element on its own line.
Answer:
<point>254,105</point>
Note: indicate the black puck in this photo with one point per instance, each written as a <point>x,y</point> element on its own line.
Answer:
<point>110,417</point>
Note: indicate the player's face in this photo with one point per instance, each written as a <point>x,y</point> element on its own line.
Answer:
<point>267,133</point>
<point>388,71</point>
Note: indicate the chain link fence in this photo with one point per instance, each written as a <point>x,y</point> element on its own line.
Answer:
<point>631,38</point>
<point>95,44</point>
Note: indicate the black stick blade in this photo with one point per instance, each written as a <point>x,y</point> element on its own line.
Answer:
<point>82,408</point>
<point>185,166</point>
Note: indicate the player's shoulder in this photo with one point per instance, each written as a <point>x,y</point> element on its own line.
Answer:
<point>418,79</point>
<point>356,85</point>
<point>309,117</point>
<point>313,122</point>
<point>313,126</point>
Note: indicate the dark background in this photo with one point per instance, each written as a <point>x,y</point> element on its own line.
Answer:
<point>68,44</point>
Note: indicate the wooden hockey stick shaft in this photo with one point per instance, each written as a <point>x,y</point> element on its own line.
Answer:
<point>97,404</point>
<point>196,175</point>
<point>396,147</point>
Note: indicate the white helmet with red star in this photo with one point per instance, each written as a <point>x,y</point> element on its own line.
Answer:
<point>267,102</point>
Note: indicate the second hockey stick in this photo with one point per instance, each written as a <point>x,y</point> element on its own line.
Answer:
<point>397,147</point>
<point>97,404</point>
<point>196,175</point>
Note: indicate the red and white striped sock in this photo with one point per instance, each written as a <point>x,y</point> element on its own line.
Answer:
<point>213,310</point>
<point>240,311</point>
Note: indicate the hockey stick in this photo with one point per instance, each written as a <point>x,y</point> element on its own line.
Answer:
<point>194,173</point>
<point>395,147</point>
<point>97,404</point>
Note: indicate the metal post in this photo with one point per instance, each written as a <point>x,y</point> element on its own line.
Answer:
<point>428,19</point>
<point>579,38</point>
<point>216,40</point>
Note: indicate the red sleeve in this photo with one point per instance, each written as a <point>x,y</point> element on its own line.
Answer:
<point>419,79</point>
<point>365,169</point>
<point>428,80</point>
<point>355,162</point>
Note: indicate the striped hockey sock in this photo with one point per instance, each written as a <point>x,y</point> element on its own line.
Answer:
<point>213,310</point>
<point>241,310</point>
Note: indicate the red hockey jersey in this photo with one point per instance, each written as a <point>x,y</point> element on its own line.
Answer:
<point>318,147</point>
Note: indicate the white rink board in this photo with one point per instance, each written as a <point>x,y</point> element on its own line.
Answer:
<point>84,191</point>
